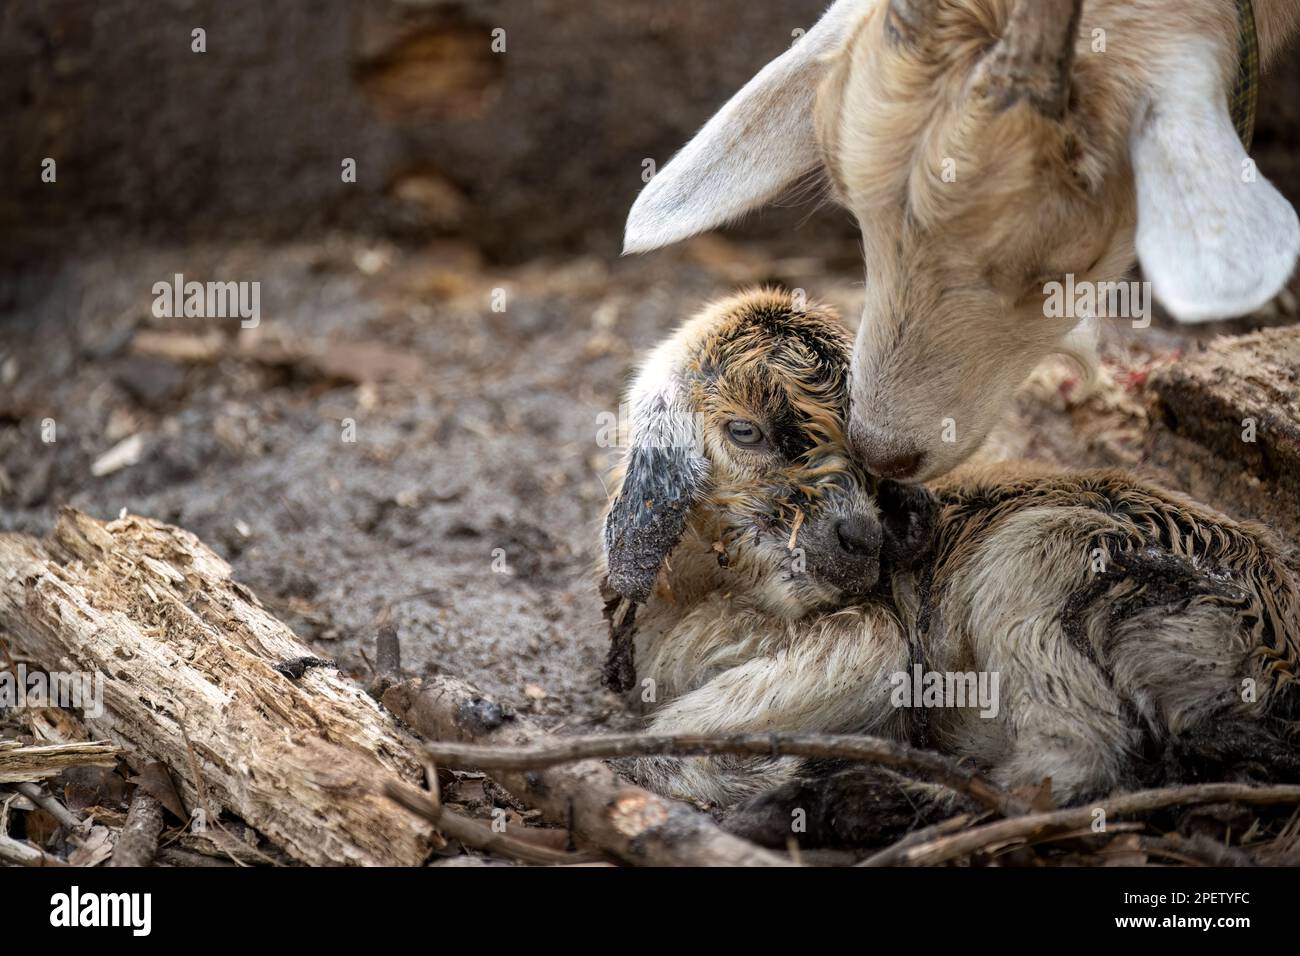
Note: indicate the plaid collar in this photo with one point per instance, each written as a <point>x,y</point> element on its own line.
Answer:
<point>1245,91</point>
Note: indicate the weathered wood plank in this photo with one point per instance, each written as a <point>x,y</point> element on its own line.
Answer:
<point>1240,400</point>
<point>188,658</point>
<point>27,764</point>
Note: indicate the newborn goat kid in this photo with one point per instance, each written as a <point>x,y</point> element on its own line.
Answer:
<point>786,589</point>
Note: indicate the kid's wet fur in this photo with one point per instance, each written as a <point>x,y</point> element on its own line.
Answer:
<point>1139,636</point>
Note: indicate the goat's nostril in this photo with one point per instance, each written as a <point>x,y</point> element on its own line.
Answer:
<point>885,455</point>
<point>899,467</point>
<point>858,536</point>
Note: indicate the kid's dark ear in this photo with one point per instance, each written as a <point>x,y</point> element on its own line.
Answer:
<point>649,515</point>
<point>664,473</point>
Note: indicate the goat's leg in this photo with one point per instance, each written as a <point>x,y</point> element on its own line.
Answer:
<point>1022,611</point>
<point>1146,647</point>
<point>834,678</point>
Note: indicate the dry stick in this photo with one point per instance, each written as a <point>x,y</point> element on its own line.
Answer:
<point>475,834</point>
<point>175,856</point>
<point>873,750</point>
<point>935,830</point>
<point>1082,833</point>
<point>956,845</point>
<point>388,652</point>
<point>51,806</point>
<point>388,659</point>
<point>599,808</point>
<point>138,842</point>
<point>24,854</point>
<point>1198,849</point>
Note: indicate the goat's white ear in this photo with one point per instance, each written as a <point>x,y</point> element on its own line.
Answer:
<point>759,143</point>
<point>1214,237</point>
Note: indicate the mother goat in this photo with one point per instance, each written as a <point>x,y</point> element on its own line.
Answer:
<point>991,149</point>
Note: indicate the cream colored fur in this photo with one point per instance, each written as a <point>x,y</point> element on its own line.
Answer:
<point>969,206</point>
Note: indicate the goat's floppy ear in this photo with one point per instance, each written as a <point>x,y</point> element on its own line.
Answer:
<point>665,471</point>
<point>760,142</point>
<point>1214,237</point>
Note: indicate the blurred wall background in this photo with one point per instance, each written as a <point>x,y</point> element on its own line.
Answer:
<point>539,148</point>
<point>536,148</point>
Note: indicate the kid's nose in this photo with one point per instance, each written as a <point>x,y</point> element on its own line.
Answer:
<point>859,536</point>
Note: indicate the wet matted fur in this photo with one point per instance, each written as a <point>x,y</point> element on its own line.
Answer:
<point>1121,620</point>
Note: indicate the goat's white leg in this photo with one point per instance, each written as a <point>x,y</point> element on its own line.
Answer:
<point>830,676</point>
<point>1117,644</point>
<point>1005,611</point>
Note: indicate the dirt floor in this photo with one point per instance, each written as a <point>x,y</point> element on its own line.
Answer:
<point>466,510</point>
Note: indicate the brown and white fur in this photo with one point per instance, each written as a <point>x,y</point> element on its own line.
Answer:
<point>988,148</point>
<point>1121,619</point>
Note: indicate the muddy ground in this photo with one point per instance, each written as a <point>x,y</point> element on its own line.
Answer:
<point>466,510</point>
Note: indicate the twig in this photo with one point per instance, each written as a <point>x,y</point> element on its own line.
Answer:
<point>872,750</point>
<point>599,808</point>
<point>932,832</point>
<point>1082,834</point>
<point>388,652</point>
<point>1196,849</point>
<point>1019,829</point>
<point>387,668</point>
<point>24,854</point>
<point>138,842</point>
<point>51,806</point>
<point>475,834</point>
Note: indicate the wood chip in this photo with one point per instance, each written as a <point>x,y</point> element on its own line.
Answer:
<point>28,764</point>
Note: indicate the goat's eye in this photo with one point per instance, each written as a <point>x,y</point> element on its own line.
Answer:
<point>744,433</point>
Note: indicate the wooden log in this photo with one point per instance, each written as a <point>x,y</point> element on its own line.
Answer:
<point>137,844</point>
<point>1240,399</point>
<point>601,810</point>
<point>188,660</point>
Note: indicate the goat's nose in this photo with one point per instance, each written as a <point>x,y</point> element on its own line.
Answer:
<point>884,455</point>
<point>858,536</point>
<point>899,467</point>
